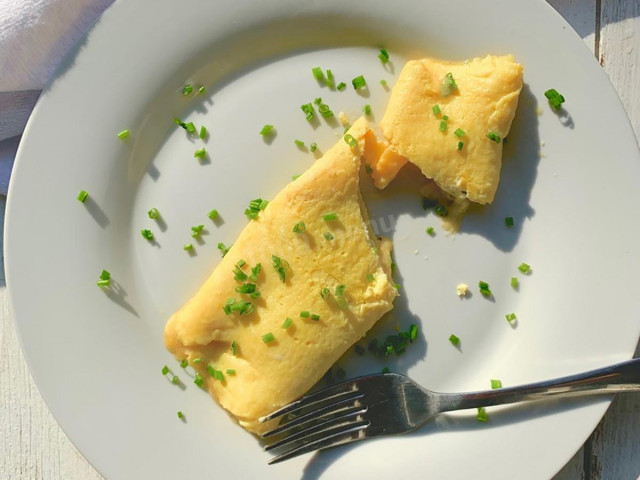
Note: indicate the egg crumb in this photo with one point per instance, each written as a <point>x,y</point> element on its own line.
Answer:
<point>462,290</point>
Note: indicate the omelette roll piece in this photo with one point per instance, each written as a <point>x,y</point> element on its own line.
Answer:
<point>302,283</point>
<point>449,119</point>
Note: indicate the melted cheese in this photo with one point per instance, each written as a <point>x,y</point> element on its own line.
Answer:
<point>270,375</point>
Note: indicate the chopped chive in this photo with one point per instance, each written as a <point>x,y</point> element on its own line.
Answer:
<point>524,267</point>
<point>315,317</point>
<point>210,370</point>
<point>82,196</point>
<point>508,221</point>
<point>309,113</point>
<point>460,145</point>
<point>341,86</point>
<point>445,117</point>
<point>329,217</point>
<point>430,231</point>
<point>268,337</point>
<point>436,109</point>
<point>231,371</point>
<point>325,292</point>
<point>318,100</point>
<point>370,277</point>
<point>203,132</point>
<point>413,332</point>
<point>359,82</point>
<point>175,380</point>
<point>494,137</point>
<point>482,415</point>
<point>103,283</point>
<point>484,288</point>
<point>555,99</point>
<point>305,314</point>
<point>123,134</point>
<point>386,370</point>
<point>349,140</point>
<point>396,286</point>
<point>255,206</point>
<point>299,143</point>
<point>202,89</point>
<point>510,317</point>
<point>177,121</point>
<point>184,363</point>
<point>328,236</point>
<point>441,211</point>
<point>146,233</point>
<point>218,375</point>
<point>295,177</point>
<point>241,263</point>
<point>213,214</point>
<point>267,130</point>
<point>313,147</point>
<point>234,348</point>
<point>367,109</point>
<point>384,55</point>
<point>187,89</point>
<point>514,282</point>
<point>318,75</point>
<point>105,275</point>
<point>198,380</point>
<point>340,290</point>
<point>330,81</point>
<point>200,153</point>
<point>459,133</point>
<point>223,249</point>
<point>190,127</point>
<point>165,370</point>
<point>180,415</point>
<point>443,126</point>
<point>324,110</point>
<point>187,246</point>
<point>299,227</point>
<point>455,340</point>
<point>197,360</point>
<point>196,231</point>
<point>449,84</point>
<point>153,213</point>
<point>255,271</point>
<point>496,384</point>
<point>281,266</point>
<point>383,82</point>
<point>287,323</point>
<point>368,168</point>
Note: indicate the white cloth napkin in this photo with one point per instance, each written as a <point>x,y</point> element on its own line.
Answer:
<point>34,37</point>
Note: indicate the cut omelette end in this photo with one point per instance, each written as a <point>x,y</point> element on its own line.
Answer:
<point>449,119</point>
<point>337,251</point>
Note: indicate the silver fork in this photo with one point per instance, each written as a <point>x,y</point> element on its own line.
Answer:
<point>391,403</point>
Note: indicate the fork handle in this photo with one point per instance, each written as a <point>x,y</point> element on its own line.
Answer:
<point>619,377</point>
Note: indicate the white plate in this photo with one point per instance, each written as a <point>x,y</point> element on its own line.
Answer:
<point>96,357</point>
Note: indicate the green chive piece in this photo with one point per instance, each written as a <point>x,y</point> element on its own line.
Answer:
<point>281,266</point>
<point>299,143</point>
<point>445,117</point>
<point>449,84</point>
<point>287,323</point>
<point>367,109</point>
<point>103,283</point>
<point>482,415</point>
<point>203,132</point>
<point>124,134</point>
<point>105,275</point>
<point>443,126</point>
<point>386,370</point>
<point>198,380</point>
<point>524,267</point>
<point>308,110</point>
<point>255,206</point>
<point>231,371</point>
<point>460,145</point>
<point>494,137</point>
<point>165,370</point>
<point>295,177</point>
<point>200,153</point>
<point>341,86</point>
<point>82,196</point>
<point>223,249</point>
<point>324,110</point>
<point>218,375</point>
<point>329,217</point>
<point>359,82</point>
<point>146,233</point>
<point>191,128</point>
<point>508,221</point>
<point>315,317</point>
<point>299,227</point>
<point>187,89</point>
<point>384,55</point>
<point>455,340</point>
<point>177,121</point>
<point>413,332</point>
<point>202,89</point>
<point>175,380</point>
<point>318,75</point>
<point>187,246</point>
<point>268,337</point>
<point>196,231</point>
<point>441,211</point>
<point>484,288</point>
<point>184,363</point>
<point>153,213</point>
<point>370,277</point>
<point>318,100</point>
<point>368,168</point>
<point>234,348</point>
<point>436,109</point>
<point>514,282</point>
<point>180,415</point>
<point>430,231</point>
<point>197,360</point>
<point>330,81</point>
<point>510,317</point>
<point>495,384</point>
<point>210,370</point>
<point>325,292</point>
<point>396,286</point>
<point>327,236</point>
<point>213,214</point>
<point>459,133</point>
<point>267,130</point>
<point>305,314</point>
<point>313,147</point>
<point>255,271</point>
<point>555,99</point>
<point>383,82</point>
<point>349,140</point>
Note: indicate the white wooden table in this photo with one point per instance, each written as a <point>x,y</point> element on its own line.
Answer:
<point>32,445</point>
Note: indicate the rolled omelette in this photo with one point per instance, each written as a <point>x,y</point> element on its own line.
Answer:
<point>302,283</point>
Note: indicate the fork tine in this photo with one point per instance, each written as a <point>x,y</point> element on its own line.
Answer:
<point>341,437</point>
<point>333,392</point>
<point>313,430</point>
<point>315,415</point>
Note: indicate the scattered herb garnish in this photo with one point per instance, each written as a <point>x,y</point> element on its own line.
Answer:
<point>494,137</point>
<point>454,339</point>
<point>146,233</point>
<point>123,134</point>
<point>555,99</point>
<point>82,196</point>
<point>255,206</point>
<point>524,267</point>
<point>281,266</point>
<point>359,82</point>
<point>267,130</point>
<point>223,249</point>
<point>384,55</point>
<point>508,221</point>
<point>484,288</point>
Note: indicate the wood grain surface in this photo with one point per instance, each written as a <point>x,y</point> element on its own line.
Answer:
<point>32,445</point>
